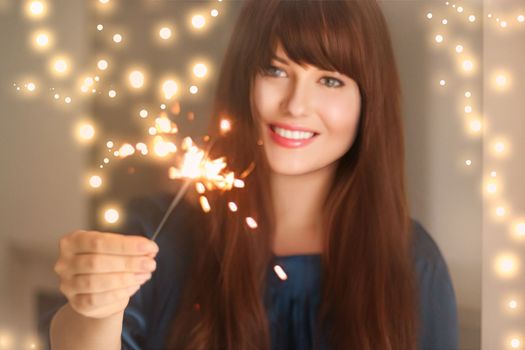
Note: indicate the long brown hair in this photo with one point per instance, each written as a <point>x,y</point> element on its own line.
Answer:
<point>368,281</point>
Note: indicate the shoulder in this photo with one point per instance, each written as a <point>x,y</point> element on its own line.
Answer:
<point>424,248</point>
<point>437,300</point>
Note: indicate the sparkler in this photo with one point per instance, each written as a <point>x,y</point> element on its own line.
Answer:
<point>197,166</point>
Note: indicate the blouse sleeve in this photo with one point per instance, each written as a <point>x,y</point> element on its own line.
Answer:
<point>438,309</point>
<point>148,315</point>
<point>136,320</point>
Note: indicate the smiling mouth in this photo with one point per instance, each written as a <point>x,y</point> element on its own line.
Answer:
<point>293,134</point>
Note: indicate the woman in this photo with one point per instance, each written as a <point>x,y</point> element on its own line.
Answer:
<point>329,201</point>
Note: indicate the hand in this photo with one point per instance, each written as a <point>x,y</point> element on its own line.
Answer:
<point>100,271</point>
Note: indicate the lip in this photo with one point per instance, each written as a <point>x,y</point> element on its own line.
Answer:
<point>292,127</point>
<point>288,143</point>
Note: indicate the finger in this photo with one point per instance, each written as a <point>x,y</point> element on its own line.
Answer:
<point>95,263</point>
<point>97,283</point>
<point>91,302</point>
<point>110,243</point>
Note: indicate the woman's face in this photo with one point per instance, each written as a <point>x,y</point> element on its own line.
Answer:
<point>324,105</point>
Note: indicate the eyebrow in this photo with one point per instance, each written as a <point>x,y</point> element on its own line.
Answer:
<point>280,59</point>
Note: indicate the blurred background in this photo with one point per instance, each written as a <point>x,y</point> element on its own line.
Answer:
<point>84,84</point>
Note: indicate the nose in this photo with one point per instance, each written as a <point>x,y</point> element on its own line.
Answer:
<point>298,99</point>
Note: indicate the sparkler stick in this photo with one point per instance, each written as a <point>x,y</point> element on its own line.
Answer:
<point>173,204</point>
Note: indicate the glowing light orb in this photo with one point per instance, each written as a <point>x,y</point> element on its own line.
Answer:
<point>163,148</point>
<point>515,343</point>
<point>501,80</point>
<point>102,64</point>
<point>444,21</point>
<point>506,265</point>
<point>521,18</point>
<point>95,181</point>
<point>111,215</point>
<point>214,13</point>
<point>103,1</point>
<point>126,150</point>
<point>468,65</point>
<point>169,89</point>
<point>472,18</point>
<point>165,33</point>
<point>499,147</point>
<point>142,148</point>
<point>100,27</point>
<point>117,38</point>
<point>459,48</point>
<point>492,188</point>
<point>468,109</point>
<point>136,79</point>
<point>225,125</point>
<point>86,131</point>
<point>442,82</point>
<point>36,9</point>
<point>67,100</point>
<point>475,125</point>
<point>468,162</point>
<point>460,9</point>
<point>112,93</point>
<point>194,89</point>
<point>143,113</point>
<point>60,66</point>
<point>500,211</point>
<point>41,40</point>
<point>198,21</point>
<point>520,228</point>
<point>468,94</point>
<point>200,70</point>
<point>503,24</point>
<point>429,15</point>
<point>31,86</point>
<point>439,38</point>
<point>513,304</point>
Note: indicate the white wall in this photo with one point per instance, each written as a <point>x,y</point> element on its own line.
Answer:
<point>444,194</point>
<point>42,166</point>
<point>504,49</point>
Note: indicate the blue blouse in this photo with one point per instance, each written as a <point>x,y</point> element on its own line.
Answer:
<point>294,301</point>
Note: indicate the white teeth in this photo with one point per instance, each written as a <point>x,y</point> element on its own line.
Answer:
<point>294,135</point>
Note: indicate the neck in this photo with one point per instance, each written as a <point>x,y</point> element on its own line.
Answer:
<point>298,202</point>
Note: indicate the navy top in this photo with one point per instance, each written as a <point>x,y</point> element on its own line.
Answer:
<point>292,314</point>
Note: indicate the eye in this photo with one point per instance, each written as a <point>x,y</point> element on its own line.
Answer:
<point>268,70</point>
<point>338,82</point>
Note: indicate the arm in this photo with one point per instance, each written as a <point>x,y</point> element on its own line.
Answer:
<point>98,273</point>
<point>71,330</point>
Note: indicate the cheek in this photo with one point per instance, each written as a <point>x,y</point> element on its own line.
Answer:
<point>264,100</point>
<point>341,117</point>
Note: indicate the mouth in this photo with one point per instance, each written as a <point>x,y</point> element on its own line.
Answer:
<point>291,137</point>
<point>291,131</point>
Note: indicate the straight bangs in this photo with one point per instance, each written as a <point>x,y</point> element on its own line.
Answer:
<point>314,33</point>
